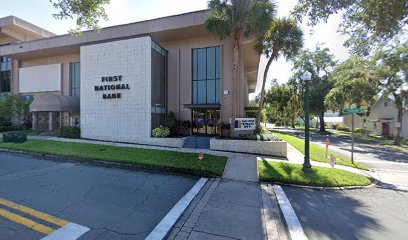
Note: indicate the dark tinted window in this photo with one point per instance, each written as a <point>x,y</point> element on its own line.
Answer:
<point>206,75</point>
<point>75,75</point>
<point>5,74</point>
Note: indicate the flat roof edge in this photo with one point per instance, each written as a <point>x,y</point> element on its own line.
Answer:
<point>16,21</point>
<point>145,27</point>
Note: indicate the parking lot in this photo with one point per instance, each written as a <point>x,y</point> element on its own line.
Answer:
<point>40,197</point>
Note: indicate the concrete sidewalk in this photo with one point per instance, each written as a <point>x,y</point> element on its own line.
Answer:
<point>242,168</point>
<point>229,209</point>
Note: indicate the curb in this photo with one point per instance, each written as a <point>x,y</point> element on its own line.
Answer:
<point>292,221</point>
<point>167,223</point>
<point>105,163</point>
<point>325,188</point>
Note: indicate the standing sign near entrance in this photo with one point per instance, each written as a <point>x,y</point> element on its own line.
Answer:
<point>245,124</point>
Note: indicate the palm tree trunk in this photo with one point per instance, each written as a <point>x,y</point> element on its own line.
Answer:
<point>261,102</point>
<point>235,80</point>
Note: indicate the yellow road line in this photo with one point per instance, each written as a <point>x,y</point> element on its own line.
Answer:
<point>34,213</point>
<point>26,222</point>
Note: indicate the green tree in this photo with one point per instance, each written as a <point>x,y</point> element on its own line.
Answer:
<point>233,18</point>
<point>86,13</point>
<point>319,63</point>
<point>277,103</point>
<point>284,38</point>
<point>369,23</point>
<point>353,85</point>
<point>391,67</point>
<point>13,108</point>
<point>296,103</point>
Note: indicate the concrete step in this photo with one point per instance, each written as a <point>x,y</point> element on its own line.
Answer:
<point>197,142</point>
<point>201,142</point>
<point>194,143</point>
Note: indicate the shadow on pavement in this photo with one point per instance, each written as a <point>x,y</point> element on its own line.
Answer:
<point>328,214</point>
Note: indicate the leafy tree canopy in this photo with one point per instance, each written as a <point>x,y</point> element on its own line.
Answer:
<point>368,22</point>
<point>319,62</point>
<point>86,13</point>
<point>353,85</point>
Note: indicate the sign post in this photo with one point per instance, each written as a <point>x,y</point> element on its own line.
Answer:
<point>353,111</point>
<point>327,145</point>
<point>352,138</point>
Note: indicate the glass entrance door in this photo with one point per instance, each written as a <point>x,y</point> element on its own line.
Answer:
<point>205,121</point>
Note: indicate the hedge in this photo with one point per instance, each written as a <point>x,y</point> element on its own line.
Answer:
<point>343,128</point>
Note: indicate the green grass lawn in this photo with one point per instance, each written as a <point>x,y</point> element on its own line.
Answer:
<point>318,153</point>
<point>157,159</point>
<point>322,177</point>
<point>364,138</point>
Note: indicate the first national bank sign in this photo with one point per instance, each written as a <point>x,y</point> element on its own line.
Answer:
<point>112,83</point>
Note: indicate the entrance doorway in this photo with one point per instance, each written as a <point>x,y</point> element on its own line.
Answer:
<point>385,129</point>
<point>205,121</point>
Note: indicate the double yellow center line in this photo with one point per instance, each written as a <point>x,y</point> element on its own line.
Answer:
<point>28,222</point>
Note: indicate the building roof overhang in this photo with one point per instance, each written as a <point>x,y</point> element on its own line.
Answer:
<point>19,30</point>
<point>251,60</point>
<point>162,29</point>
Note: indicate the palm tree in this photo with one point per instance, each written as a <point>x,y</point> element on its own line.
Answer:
<point>233,18</point>
<point>285,38</point>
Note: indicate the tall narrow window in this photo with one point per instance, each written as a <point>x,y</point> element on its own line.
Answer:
<point>206,75</point>
<point>159,82</point>
<point>5,74</point>
<point>75,75</point>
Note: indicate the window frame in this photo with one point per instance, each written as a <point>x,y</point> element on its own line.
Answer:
<point>71,79</point>
<point>7,62</point>
<point>217,75</point>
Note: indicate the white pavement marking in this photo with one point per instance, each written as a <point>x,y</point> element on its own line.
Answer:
<point>71,231</point>
<point>268,218</point>
<point>295,228</point>
<point>165,225</point>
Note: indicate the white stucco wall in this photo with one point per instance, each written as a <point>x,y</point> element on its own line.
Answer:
<point>127,119</point>
<point>46,78</point>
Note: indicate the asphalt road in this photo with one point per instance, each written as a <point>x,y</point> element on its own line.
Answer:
<point>389,164</point>
<point>114,203</point>
<point>370,213</point>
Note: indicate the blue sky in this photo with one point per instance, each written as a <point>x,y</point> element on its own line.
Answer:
<point>39,12</point>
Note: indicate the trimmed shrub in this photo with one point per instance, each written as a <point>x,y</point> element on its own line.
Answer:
<point>161,132</point>
<point>8,128</point>
<point>172,123</point>
<point>71,132</point>
<point>225,129</point>
<point>358,130</point>
<point>260,137</point>
<point>184,128</point>
<point>15,137</point>
<point>343,128</point>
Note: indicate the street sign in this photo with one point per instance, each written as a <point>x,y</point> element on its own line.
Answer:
<point>353,110</point>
